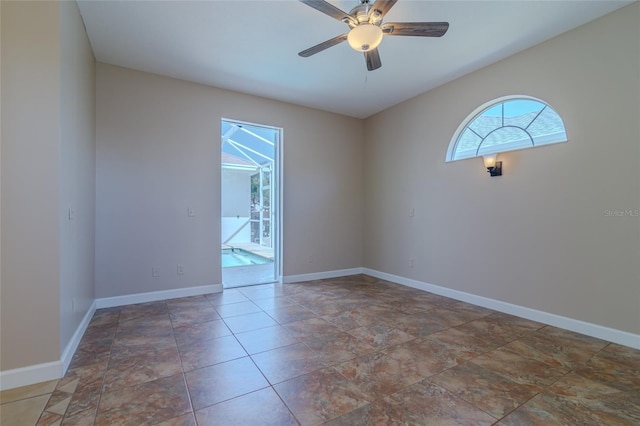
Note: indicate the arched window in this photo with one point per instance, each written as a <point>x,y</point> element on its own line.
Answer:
<point>506,124</point>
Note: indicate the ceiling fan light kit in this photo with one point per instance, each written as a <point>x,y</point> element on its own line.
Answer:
<point>364,37</point>
<point>367,30</point>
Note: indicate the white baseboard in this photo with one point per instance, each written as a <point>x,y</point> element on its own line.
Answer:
<point>70,350</point>
<point>582,327</point>
<point>321,275</point>
<point>154,296</point>
<point>32,374</point>
<point>54,370</point>
<point>29,375</point>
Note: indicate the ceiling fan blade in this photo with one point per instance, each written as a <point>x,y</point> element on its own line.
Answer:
<point>382,6</point>
<point>322,46</point>
<point>331,10</point>
<point>373,59</point>
<point>419,29</point>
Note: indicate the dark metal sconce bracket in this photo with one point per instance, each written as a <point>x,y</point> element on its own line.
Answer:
<point>496,170</point>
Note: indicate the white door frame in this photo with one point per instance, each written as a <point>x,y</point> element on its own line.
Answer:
<point>277,191</point>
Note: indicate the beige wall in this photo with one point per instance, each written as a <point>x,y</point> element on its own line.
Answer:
<point>158,154</point>
<point>77,171</point>
<point>48,165</point>
<point>30,293</point>
<point>538,236</point>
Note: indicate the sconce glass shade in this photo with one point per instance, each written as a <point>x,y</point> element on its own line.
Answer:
<point>364,37</point>
<point>489,160</point>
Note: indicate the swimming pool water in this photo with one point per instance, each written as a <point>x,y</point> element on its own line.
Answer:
<point>239,257</point>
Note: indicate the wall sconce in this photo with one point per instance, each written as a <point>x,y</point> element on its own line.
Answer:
<point>493,167</point>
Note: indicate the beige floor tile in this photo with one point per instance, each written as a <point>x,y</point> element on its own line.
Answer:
<point>60,407</point>
<point>27,391</point>
<point>69,387</point>
<point>24,412</point>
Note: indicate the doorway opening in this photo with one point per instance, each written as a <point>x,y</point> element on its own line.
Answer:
<point>250,188</point>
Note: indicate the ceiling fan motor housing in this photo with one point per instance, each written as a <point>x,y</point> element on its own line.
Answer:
<point>363,15</point>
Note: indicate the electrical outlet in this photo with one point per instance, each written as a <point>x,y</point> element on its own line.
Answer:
<point>191,212</point>
<point>155,272</point>
<point>411,261</point>
<point>411,212</point>
<point>180,270</point>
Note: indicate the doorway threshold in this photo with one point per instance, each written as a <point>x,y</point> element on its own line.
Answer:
<point>242,276</point>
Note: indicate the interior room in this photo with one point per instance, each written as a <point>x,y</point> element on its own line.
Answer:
<point>412,287</point>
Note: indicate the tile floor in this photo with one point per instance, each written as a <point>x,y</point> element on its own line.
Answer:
<point>348,351</point>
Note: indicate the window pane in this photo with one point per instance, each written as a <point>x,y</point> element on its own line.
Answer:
<point>547,128</point>
<point>518,107</point>
<point>494,111</point>
<point>521,112</point>
<point>489,120</point>
<point>508,125</point>
<point>505,139</point>
<point>467,145</point>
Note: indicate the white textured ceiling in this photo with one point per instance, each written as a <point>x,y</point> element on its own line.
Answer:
<point>252,46</point>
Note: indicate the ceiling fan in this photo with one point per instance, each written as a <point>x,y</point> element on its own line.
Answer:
<point>366,28</point>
